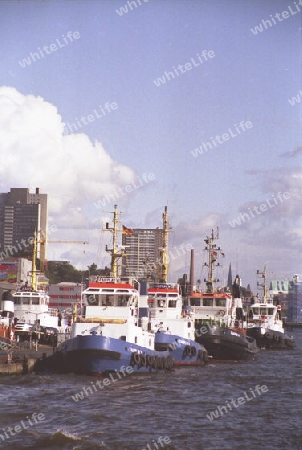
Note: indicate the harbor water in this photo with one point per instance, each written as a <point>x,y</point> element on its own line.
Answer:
<point>251,404</point>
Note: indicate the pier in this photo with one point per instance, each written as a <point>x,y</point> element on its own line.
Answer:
<point>22,357</point>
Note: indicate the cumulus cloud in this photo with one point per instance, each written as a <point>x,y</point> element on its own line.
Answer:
<point>72,170</point>
<point>69,168</point>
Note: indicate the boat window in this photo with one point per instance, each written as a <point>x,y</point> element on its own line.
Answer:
<point>91,299</point>
<point>263,311</point>
<point>35,301</point>
<point>17,301</point>
<point>220,301</point>
<point>256,311</point>
<point>122,300</point>
<point>25,300</point>
<point>207,302</point>
<point>195,301</point>
<point>161,303</point>
<point>109,300</point>
<point>270,311</point>
<point>172,295</point>
<point>172,304</point>
<point>107,290</point>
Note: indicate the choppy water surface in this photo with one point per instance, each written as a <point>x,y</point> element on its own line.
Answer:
<point>134,412</point>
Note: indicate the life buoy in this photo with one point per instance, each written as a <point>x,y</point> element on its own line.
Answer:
<point>187,350</point>
<point>137,358</point>
<point>170,362</point>
<point>155,362</point>
<point>160,363</point>
<point>193,351</point>
<point>150,359</point>
<point>143,360</point>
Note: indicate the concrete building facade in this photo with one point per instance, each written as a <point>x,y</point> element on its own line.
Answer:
<point>143,249</point>
<point>21,213</point>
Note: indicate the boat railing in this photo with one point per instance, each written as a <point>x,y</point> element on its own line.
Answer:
<point>41,288</point>
<point>164,286</point>
<point>116,280</point>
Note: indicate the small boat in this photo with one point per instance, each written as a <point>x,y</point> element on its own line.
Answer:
<point>218,316</point>
<point>174,325</point>
<point>32,316</point>
<point>265,323</point>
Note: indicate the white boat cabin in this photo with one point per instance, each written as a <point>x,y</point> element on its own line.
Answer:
<point>110,307</point>
<point>265,314</point>
<point>208,306</point>
<point>165,301</point>
<point>167,313</point>
<point>31,307</point>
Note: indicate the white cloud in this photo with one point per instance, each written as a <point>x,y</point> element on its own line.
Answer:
<point>73,171</point>
<point>35,153</point>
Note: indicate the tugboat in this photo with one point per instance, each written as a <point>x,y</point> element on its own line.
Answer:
<point>30,307</point>
<point>173,323</point>
<point>114,330</point>
<point>219,318</point>
<point>265,323</point>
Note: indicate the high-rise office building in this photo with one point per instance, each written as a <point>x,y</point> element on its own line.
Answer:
<point>21,213</point>
<point>143,249</point>
<point>295,300</point>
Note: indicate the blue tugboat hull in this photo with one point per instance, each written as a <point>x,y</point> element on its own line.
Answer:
<point>95,355</point>
<point>185,351</point>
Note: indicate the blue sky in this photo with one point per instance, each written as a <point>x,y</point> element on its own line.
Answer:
<point>116,58</point>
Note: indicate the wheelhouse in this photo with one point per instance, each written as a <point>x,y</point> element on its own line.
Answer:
<point>208,301</point>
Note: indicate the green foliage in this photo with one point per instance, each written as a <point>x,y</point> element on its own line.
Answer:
<point>64,272</point>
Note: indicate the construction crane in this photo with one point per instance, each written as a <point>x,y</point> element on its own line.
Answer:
<point>71,242</point>
<point>42,242</point>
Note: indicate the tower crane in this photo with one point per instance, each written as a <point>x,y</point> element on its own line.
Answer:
<point>43,241</point>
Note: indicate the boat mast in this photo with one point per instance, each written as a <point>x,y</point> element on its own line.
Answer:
<point>164,253</point>
<point>33,263</point>
<point>212,250</point>
<point>115,255</point>
<point>263,285</point>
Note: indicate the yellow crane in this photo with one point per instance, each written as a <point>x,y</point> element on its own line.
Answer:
<point>42,242</point>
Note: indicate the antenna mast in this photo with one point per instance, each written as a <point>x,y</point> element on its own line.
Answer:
<point>263,285</point>
<point>212,250</point>
<point>115,255</point>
